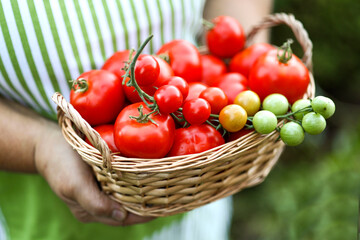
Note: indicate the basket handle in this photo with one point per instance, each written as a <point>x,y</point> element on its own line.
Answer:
<point>297,28</point>
<point>84,127</point>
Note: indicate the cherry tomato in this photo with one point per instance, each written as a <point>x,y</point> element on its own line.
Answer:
<point>143,139</point>
<point>313,123</point>
<point>249,100</point>
<point>233,117</point>
<point>276,103</point>
<point>116,63</point>
<point>147,70</point>
<point>103,98</point>
<point>226,38</point>
<point>195,89</point>
<point>106,132</point>
<point>196,111</point>
<point>232,84</point>
<point>324,106</point>
<point>132,95</point>
<point>184,59</point>
<point>195,139</point>
<point>211,68</point>
<point>299,105</point>
<point>166,72</point>
<point>292,134</point>
<point>216,98</point>
<point>243,61</point>
<point>180,83</point>
<point>168,98</point>
<point>264,122</point>
<point>269,75</point>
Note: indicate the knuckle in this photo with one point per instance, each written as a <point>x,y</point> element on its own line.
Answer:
<point>81,215</point>
<point>99,209</point>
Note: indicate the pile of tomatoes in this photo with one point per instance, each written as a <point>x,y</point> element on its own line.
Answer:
<point>179,102</point>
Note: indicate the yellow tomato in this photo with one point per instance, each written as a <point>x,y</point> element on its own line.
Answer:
<point>249,100</point>
<point>233,117</point>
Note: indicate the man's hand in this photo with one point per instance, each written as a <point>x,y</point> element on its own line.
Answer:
<point>30,143</point>
<point>73,181</point>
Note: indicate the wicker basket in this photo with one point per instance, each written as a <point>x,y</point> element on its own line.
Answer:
<point>167,186</point>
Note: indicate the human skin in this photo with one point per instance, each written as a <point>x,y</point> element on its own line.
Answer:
<point>30,143</point>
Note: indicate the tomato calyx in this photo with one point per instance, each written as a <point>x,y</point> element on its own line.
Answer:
<point>127,63</point>
<point>165,56</point>
<point>80,85</point>
<point>144,118</point>
<point>286,50</point>
<point>208,25</point>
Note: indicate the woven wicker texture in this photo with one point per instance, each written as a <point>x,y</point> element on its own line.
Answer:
<point>167,186</point>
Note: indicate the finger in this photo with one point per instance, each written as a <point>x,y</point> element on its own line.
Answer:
<point>83,216</point>
<point>136,219</point>
<point>97,204</point>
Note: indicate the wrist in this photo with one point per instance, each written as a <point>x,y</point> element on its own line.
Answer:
<point>44,144</point>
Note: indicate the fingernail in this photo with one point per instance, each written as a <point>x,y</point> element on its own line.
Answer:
<point>118,215</point>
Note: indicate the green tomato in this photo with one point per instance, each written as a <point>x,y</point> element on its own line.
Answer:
<point>276,103</point>
<point>292,134</point>
<point>313,123</point>
<point>264,122</point>
<point>298,105</point>
<point>324,106</point>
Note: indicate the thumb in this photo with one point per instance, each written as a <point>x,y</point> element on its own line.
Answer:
<point>98,204</point>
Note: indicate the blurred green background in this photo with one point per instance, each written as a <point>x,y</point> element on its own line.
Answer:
<point>313,191</point>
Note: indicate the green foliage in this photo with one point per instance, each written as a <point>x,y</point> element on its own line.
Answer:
<point>308,199</point>
<point>313,192</point>
<point>333,27</point>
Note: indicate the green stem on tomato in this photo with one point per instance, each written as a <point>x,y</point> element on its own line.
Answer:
<point>287,52</point>
<point>211,124</point>
<point>144,118</point>
<point>165,56</point>
<point>80,85</point>
<point>248,126</point>
<point>305,109</point>
<point>130,72</point>
<point>214,115</point>
<point>209,25</point>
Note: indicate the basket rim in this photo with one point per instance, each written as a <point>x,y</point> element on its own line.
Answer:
<point>113,161</point>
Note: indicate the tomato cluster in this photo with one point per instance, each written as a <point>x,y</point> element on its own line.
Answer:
<point>181,102</point>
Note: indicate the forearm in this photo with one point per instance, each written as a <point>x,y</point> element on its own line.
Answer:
<point>20,130</point>
<point>247,12</point>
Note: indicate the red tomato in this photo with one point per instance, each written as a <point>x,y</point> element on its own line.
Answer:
<point>216,98</point>
<point>147,70</point>
<point>232,84</point>
<point>244,60</point>
<point>132,95</point>
<point>166,72</point>
<point>195,89</point>
<point>116,62</point>
<point>143,139</point>
<point>195,139</point>
<point>196,111</point>
<point>168,98</point>
<point>107,134</point>
<point>269,75</point>
<point>180,83</point>
<point>103,99</point>
<point>211,68</point>
<point>226,38</point>
<point>184,59</point>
